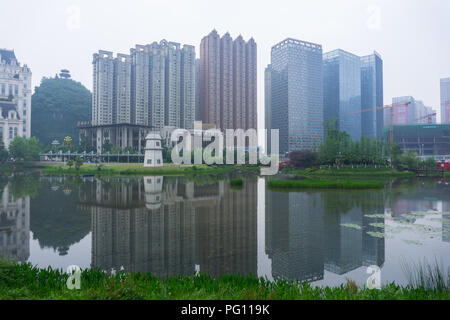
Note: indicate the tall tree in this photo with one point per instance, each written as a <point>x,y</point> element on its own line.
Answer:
<point>22,149</point>
<point>57,106</point>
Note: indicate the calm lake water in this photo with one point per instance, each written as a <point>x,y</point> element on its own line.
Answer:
<point>172,225</point>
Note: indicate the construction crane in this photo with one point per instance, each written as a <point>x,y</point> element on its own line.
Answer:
<point>391,109</point>
<point>428,116</point>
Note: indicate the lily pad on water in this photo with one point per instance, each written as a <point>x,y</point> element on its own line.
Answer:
<point>428,229</point>
<point>417,243</point>
<point>400,229</point>
<point>378,235</point>
<point>376,216</point>
<point>377,225</point>
<point>423,213</point>
<point>409,216</point>
<point>350,225</point>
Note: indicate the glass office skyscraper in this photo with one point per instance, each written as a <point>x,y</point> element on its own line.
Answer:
<point>445,100</point>
<point>342,91</point>
<point>296,84</point>
<point>372,95</point>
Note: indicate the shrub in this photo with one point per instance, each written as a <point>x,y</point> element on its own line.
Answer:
<point>78,163</point>
<point>303,159</point>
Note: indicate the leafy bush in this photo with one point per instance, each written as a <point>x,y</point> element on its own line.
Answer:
<point>4,154</point>
<point>78,163</point>
<point>303,159</point>
<point>409,161</point>
<point>22,149</point>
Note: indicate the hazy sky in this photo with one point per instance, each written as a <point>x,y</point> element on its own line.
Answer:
<point>411,35</point>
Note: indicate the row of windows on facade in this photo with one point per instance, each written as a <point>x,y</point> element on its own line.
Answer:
<point>13,132</point>
<point>12,89</point>
<point>149,161</point>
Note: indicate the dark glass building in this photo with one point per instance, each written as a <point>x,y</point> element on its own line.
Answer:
<point>342,91</point>
<point>296,93</point>
<point>372,95</point>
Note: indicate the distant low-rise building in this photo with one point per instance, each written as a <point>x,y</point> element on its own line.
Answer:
<point>15,98</point>
<point>423,139</point>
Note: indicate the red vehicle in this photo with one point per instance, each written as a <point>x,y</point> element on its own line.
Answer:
<point>284,165</point>
<point>444,165</point>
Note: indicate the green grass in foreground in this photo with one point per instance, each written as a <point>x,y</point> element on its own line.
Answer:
<point>447,175</point>
<point>324,184</point>
<point>137,169</point>
<point>30,283</point>
<point>380,172</point>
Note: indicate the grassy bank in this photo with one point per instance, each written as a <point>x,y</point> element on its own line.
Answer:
<point>362,172</point>
<point>324,184</point>
<point>27,282</point>
<point>138,170</point>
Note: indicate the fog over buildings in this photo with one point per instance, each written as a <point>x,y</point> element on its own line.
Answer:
<point>50,35</point>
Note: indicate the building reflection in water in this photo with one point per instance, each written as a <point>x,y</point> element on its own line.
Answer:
<point>14,226</point>
<point>171,226</point>
<point>307,233</point>
<point>168,227</point>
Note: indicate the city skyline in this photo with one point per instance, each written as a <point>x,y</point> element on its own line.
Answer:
<point>326,24</point>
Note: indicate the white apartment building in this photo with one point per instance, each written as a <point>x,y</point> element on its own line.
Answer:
<point>152,87</point>
<point>15,98</point>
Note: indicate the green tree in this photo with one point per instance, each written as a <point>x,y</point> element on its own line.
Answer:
<point>116,150</point>
<point>4,154</point>
<point>22,149</point>
<point>70,163</point>
<point>395,153</point>
<point>58,105</point>
<point>430,163</point>
<point>408,161</point>
<point>78,163</point>
<point>107,146</point>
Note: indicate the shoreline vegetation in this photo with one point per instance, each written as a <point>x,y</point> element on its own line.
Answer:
<point>140,170</point>
<point>347,171</point>
<point>324,184</point>
<point>25,282</point>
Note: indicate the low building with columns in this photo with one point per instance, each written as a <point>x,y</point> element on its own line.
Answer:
<point>122,135</point>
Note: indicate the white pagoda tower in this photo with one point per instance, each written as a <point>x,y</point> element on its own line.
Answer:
<point>153,151</point>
